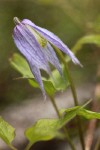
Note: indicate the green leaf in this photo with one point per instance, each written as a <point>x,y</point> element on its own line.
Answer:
<point>46,129</point>
<point>7,132</point>
<point>50,85</point>
<point>89,39</point>
<point>60,82</point>
<point>82,112</point>
<point>21,65</point>
<point>88,114</point>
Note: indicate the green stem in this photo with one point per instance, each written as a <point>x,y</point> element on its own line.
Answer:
<point>28,146</point>
<point>79,123</point>
<point>55,106</point>
<point>12,147</point>
<point>65,130</point>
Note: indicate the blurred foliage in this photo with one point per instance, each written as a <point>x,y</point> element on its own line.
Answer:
<point>69,19</point>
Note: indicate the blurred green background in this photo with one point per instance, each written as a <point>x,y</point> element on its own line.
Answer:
<point>69,19</point>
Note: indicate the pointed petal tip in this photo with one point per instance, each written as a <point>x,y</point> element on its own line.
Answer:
<point>44,97</point>
<point>44,93</point>
<point>81,65</point>
<point>76,61</point>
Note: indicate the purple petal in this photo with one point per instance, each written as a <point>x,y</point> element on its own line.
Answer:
<point>52,58</point>
<point>53,39</point>
<point>30,48</point>
<point>27,45</point>
<point>37,76</point>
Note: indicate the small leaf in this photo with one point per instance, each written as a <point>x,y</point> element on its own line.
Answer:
<point>88,114</point>
<point>60,82</point>
<point>7,132</point>
<point>48,85</point>
<point>46,129</point>
<point>21,65</point>
<point>79,110</point>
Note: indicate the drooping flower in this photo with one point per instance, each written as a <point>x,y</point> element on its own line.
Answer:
<point>34,43</point>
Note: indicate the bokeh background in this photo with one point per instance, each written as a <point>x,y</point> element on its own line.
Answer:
<point>69,19</point>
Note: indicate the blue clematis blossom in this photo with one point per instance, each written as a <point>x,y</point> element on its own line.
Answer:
<point>34,43</point>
